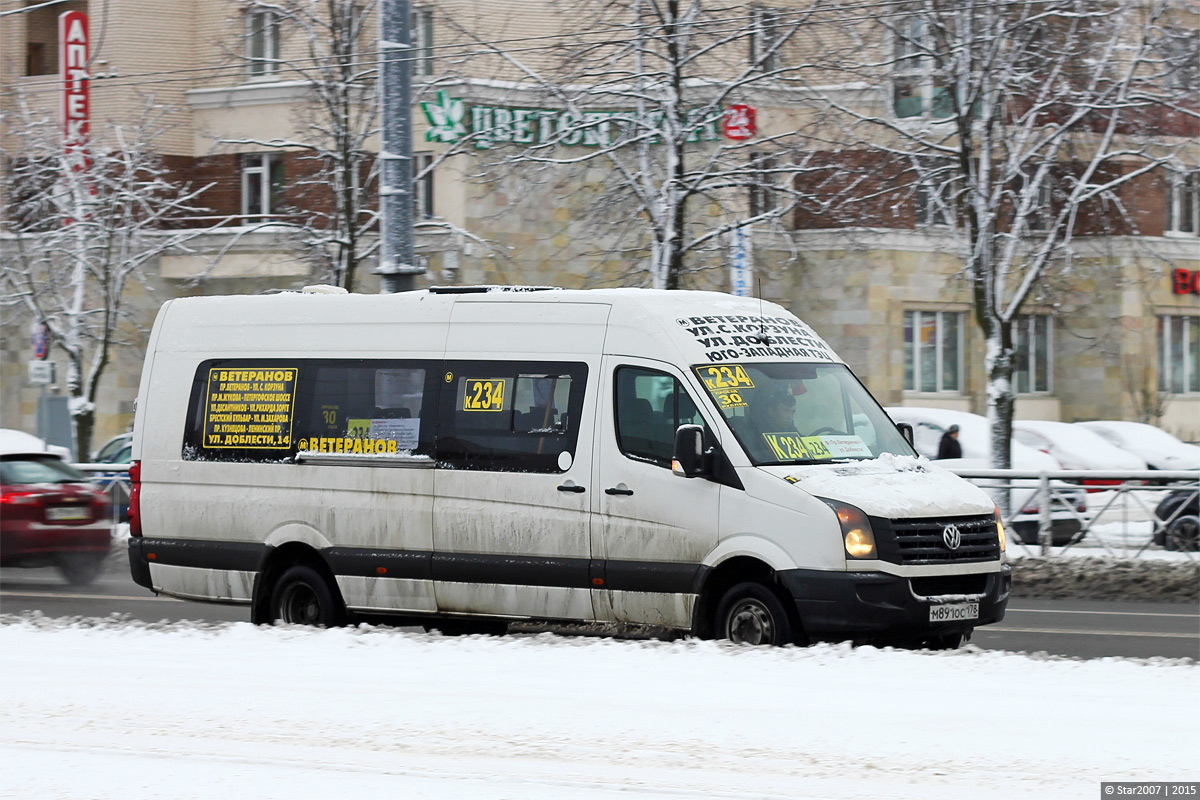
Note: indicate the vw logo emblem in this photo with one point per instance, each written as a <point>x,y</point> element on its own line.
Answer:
<point>952,536</point>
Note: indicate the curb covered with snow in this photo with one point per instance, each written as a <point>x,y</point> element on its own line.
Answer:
<point>109,710</point>
<point>1102,578</point>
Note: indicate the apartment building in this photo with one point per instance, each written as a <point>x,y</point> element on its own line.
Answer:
<point>529,119</point>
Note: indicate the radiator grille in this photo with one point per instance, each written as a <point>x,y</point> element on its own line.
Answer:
<point>923,541</point>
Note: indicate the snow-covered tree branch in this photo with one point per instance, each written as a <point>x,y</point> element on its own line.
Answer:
<point>328,45</point>
<point>81,224</point>
<point>1015,125</point>
<point>648,106</point>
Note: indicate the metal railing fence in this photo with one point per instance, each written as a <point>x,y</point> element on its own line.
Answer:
<point>1118,518</point>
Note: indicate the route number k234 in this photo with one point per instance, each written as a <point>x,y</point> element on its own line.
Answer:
<point>484,394</point>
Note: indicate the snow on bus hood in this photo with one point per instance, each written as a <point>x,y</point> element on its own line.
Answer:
<point>890,486</point>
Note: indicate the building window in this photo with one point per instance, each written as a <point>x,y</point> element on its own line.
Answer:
<point>933,351</point>
<point>423,185</point>
<point>1179,354</point>
<point>765,32</point>
<point>35,59</point>
<point>262,185</point>
<point>762,192</point>
<point>262,43</point>
<point>916,88</point>
<point>1034,344</point>
<point>932,204</point>
<point>935,194</point>
<point>1181,49</point>
<point>1183,204</point>
<point>1041,215</point>
<point>421,33</point>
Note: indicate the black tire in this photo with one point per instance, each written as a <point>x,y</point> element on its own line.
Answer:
<point>1183,534</point>
<point>80,570</point>
<point>303,597</point>
<point>751,613</point>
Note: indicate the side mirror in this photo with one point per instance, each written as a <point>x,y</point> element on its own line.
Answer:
<point>690,459</point>
<point>906,431</point>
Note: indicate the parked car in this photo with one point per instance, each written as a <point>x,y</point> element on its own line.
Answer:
<point>51,514</point>
<point>1180,510</point>
<point>1075,447</point>
<point>1159,449</point>
<point>115,451</point>
<point>975,438</point>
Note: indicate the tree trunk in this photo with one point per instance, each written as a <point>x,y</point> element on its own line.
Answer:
<point>85,422</point>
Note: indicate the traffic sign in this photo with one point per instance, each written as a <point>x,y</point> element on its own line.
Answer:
<point>39,336</point>
<point>41,373</point>
<point>740,122</point>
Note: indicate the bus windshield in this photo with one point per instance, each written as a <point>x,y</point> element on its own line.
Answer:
<point>800,413</point>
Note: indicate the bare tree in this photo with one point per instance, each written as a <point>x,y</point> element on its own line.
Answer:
<point>326,44</point>
<point>81,224</point>
<point>1016,123</point>
<point>645,89</point>
<point>329,45</point>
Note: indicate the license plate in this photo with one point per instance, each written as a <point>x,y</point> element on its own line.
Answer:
<point>67,513</point>
<point>953,612</point>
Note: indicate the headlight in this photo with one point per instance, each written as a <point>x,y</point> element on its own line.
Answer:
<point>1000,529</point>
<point>857,536</point>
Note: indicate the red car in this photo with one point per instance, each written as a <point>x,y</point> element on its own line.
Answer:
<point>50,514</point>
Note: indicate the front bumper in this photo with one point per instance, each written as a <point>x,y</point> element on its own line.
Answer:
<point>878,607</point>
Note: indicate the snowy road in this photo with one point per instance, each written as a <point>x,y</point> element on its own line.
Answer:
<point>232,711</point>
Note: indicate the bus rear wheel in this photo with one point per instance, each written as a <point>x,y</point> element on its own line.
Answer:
<point>303,597</point>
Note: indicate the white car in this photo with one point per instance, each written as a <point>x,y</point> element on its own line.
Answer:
<point>14,441</point>
<point>1076,448</point>
<point>975,438</point>
<point>1159,449</point>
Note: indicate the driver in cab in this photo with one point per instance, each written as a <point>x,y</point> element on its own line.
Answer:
<point>774,412</point>
<point>773,435</point>
<point>770,417</point>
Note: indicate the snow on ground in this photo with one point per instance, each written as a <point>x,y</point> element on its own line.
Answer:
<point>121,711</point>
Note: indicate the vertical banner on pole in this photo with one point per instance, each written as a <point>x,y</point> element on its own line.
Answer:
<point>73,72</point>
<point>741,261</point>
<point>75,108</point>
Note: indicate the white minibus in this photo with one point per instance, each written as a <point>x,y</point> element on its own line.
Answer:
<point>465,457</point>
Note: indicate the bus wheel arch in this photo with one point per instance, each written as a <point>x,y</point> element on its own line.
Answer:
<point>282,560</point>
<point>735,572</point>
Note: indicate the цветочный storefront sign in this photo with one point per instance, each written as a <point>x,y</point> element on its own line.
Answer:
<point>451,120</point>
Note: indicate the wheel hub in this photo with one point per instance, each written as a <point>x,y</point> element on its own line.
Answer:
<point>750,623</point>
<point>299,606</point>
